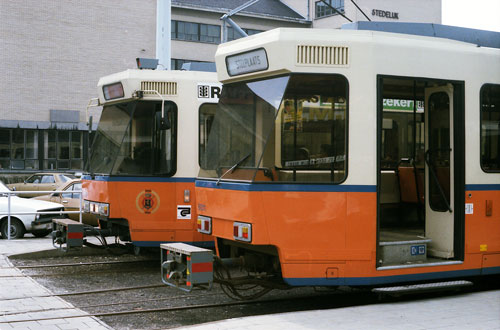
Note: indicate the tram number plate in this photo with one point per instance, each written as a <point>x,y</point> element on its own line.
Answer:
<point>417,250</point>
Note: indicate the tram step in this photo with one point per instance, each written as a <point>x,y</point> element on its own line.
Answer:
<point>403,252</point>
<point>418,288</point>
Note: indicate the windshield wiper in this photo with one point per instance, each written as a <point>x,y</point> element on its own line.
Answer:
<point>234,167</point>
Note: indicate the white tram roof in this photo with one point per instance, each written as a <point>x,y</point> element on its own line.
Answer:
<point>166,82</point>
<point>303,50</point>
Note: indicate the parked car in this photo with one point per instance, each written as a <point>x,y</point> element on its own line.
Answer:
<point>39,225</point>
<point>41,182</point>
<point>70,201</point>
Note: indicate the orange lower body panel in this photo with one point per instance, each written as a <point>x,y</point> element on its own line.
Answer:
<point>155,210</point>
<point>324,237</point>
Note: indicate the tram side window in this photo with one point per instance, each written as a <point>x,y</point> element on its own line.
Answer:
<point>490,128</point>
<point>313,129</point>
<point>206,119</point>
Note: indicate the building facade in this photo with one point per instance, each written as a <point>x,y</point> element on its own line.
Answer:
<point>197,28</point>
<point>322,16</point>
<point>54,52</point>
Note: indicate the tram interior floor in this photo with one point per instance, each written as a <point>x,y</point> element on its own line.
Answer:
<point>400,223</point>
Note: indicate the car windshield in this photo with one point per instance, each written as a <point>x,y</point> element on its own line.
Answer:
<point>66,177</point>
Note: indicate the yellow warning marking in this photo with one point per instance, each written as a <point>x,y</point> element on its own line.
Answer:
<point>483,247</point>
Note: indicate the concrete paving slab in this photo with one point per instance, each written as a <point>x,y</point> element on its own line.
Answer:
<point>479,310</point>
<point>23,299</point>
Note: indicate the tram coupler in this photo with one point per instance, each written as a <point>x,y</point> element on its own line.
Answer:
<point>186,266</point>
<point>67,234</point>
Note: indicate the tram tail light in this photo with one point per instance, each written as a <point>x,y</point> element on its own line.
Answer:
<point>104,209</point>
<point>204,225</point>
<point>242,231</point>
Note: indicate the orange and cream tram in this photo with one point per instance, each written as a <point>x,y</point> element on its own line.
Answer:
<point>146,153</point>
<point>347,157</point>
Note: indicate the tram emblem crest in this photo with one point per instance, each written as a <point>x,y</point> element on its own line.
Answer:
<point>147,201</point>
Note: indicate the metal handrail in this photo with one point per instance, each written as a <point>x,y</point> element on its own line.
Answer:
<point>41,192</point>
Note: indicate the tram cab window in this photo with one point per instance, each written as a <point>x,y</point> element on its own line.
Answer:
<point>131,141</point>
<point>240,129</point>
<point>490,128</point>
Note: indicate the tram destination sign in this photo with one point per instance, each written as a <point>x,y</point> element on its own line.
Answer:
<point>252,61</point>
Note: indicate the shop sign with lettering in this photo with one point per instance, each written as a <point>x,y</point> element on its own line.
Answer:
<point>385,13</point>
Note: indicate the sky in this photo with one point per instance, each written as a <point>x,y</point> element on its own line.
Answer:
<point>476,14</point>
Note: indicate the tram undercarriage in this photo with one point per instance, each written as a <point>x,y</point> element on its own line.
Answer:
<point>421,174</point>
<point>70,235</point>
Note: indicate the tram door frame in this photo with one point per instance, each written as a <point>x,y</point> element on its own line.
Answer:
<point>457,135</point>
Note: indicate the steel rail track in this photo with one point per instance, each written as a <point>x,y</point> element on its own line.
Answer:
<point>113,304</point>
<point>156,310</point>
<point>86,263</point>
<point>91,292</point>
<point>72,274</point>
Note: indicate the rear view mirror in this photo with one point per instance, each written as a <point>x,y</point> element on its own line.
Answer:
<point>162,117</point>
<point>164,124</point>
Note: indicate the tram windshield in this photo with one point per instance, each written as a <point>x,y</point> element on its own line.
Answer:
<point>129,140</point>
<point>289,128</point>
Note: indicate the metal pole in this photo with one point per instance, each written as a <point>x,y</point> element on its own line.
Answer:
<point>225,18</point>
<point>163,27</point>
<point>362,12</point>
<point>335,10</point>
<point>236,27</point>
<point>81,202</point>
<point>8,216</point>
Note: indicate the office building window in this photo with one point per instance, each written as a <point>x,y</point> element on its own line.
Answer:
<point>29,149</point>
<point>232,34</point>
<point>24,149</point>
<point>5,149</point>
<point>323,10</point>
<point>176,64</point>
<point>195,32</point>
<point>63,150</point>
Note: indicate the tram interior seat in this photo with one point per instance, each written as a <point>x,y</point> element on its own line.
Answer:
<point>389,188</point>
<point>411,185</point>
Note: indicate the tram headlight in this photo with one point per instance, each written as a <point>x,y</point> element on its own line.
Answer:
<point>204,224</point>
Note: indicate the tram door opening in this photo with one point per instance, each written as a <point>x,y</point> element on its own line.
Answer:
<point>417,182</point>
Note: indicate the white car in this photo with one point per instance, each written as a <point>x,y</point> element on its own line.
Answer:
<point>39,225</point>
